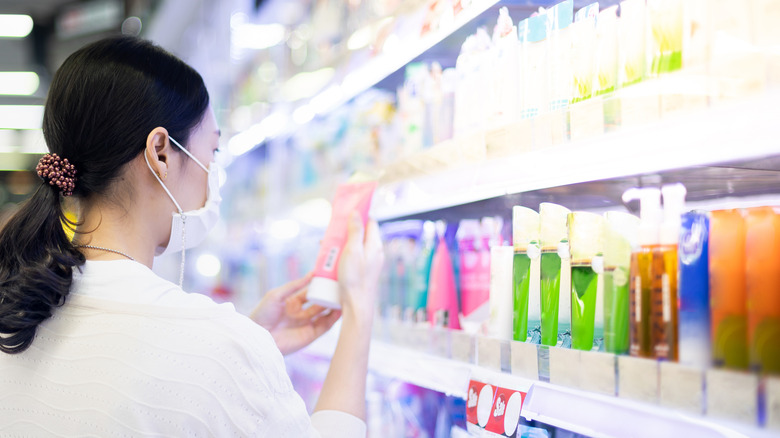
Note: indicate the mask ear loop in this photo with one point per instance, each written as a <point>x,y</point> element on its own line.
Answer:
<point>181,213</point>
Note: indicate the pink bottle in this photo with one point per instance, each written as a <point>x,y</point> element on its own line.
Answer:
<point>442,295</point>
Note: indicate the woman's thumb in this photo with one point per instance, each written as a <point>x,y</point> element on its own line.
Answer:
<point>356,231</point>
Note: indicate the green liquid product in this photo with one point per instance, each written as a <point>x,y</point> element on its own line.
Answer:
<point>521,272</point>
<point>632,48</point>
<point>586,242</point>
<point>584,288</point>
<point>620,235</point>
<point>555,273</point>
<point>525,237</point>
<point>583,52</point>
<point>606,51</point>
<point>666,27</point>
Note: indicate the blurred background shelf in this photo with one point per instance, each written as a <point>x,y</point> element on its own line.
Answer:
<point>730,150</point>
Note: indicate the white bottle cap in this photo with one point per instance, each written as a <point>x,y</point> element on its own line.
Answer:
<point>324,292</point>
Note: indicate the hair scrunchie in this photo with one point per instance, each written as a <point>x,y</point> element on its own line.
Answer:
<point>58,172</point>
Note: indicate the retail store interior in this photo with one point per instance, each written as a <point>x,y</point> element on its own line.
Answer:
<point>579,201</point>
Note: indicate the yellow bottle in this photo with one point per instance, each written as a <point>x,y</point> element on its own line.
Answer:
<point>642,279</point>
<point>664,336</point>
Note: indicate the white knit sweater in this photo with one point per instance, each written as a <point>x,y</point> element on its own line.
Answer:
<point>131,354</point>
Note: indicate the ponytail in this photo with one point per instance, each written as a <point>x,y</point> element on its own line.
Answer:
<point>36,267</point>
<point>102,103</point>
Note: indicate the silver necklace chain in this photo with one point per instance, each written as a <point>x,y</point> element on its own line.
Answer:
<point>105,249</point>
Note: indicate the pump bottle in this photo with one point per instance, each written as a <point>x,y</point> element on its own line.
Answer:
<point>664,299</point>
<point>642,280</point>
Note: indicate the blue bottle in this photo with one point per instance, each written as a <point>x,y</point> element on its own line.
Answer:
<point>694,290</point>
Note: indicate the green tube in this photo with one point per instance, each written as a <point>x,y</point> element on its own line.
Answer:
<point>616,311</point>
<point>584,287</point>
<point>550,293</point>
<point>521,268</point>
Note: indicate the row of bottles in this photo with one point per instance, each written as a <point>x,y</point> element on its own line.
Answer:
<point>695,287</point>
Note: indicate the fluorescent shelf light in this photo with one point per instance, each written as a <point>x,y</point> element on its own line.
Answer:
<point>18,83</point>
<point>15,26</point>
<point>306,84</point>
<point>258,36</point>
<point>21,116</point>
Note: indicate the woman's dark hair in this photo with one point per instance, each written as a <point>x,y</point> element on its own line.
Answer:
<point>103,102</point>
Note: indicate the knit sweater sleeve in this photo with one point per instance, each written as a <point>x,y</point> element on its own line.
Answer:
<point>286,413</point>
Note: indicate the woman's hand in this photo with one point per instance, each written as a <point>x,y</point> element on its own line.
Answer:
<point>281,312</point>
<point>359,269</point>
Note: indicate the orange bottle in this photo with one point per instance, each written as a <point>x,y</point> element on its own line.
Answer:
<point>728,303</point>
<point>762,269</point>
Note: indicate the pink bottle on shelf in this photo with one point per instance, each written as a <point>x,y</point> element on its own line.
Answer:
<point>442,295</point>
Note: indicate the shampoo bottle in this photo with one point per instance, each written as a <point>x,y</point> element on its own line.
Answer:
<point>583,52</point>
<point>501,309</point>
<point>666,27</point>
<point>606,51</point>
<point>586,237</point>
<point>555,272</point>
<point>728,301</point>
<point>694,294</point>
<point>763,288</point>
<point>642,282</point>
<point>442,294</point>
<point>422,273</point>
<point>559,39</point>
<point>620,236</point>
<point>532,33</point>
<point>525,239</point>
<point>633,46</point>
<point>664,299</point>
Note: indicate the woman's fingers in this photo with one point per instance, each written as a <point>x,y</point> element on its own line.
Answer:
<point>285,291</point>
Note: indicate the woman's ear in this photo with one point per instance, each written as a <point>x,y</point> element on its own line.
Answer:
<point>158,150</point>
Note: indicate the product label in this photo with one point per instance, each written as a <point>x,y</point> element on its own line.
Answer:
<point>638,298</point>
<point>667,306</point>
<point>330,259</point>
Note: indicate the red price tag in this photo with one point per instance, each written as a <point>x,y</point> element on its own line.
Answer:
<point>494,409</point>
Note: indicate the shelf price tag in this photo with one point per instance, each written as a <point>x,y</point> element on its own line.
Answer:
<point>493,410</point>
<point>732,395</point>
<point>525,360</point>
<point>565,367</point>
<point>773,403</point>
<point>682,387</point>
<point>463,346</point>
<point>489,353</point>
<point>638,379</point>
<point>597,372</point>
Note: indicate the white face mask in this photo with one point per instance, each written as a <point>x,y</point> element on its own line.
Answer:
<point>189,228</point>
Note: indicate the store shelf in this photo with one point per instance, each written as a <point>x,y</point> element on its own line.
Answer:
<point>603,416</point>
<point>569,408</point>
<point>712,142</point>
<point>382,66</point>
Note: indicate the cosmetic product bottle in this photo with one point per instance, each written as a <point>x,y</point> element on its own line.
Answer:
<point>586,237</point>
<point>442,294</point>
<point>694,290</point>
<point>664,299</point>
<point>555,272</point>
<point>620,236</point>
<point>762,273</point>
<point>525,239</point>
<point>641,279</point>
<point>501,309</point>
<point>728,300</point>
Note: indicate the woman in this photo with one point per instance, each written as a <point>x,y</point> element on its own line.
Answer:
<point>93,341</point>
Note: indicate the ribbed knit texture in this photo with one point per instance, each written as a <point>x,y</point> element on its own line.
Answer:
<point>131,354</point>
